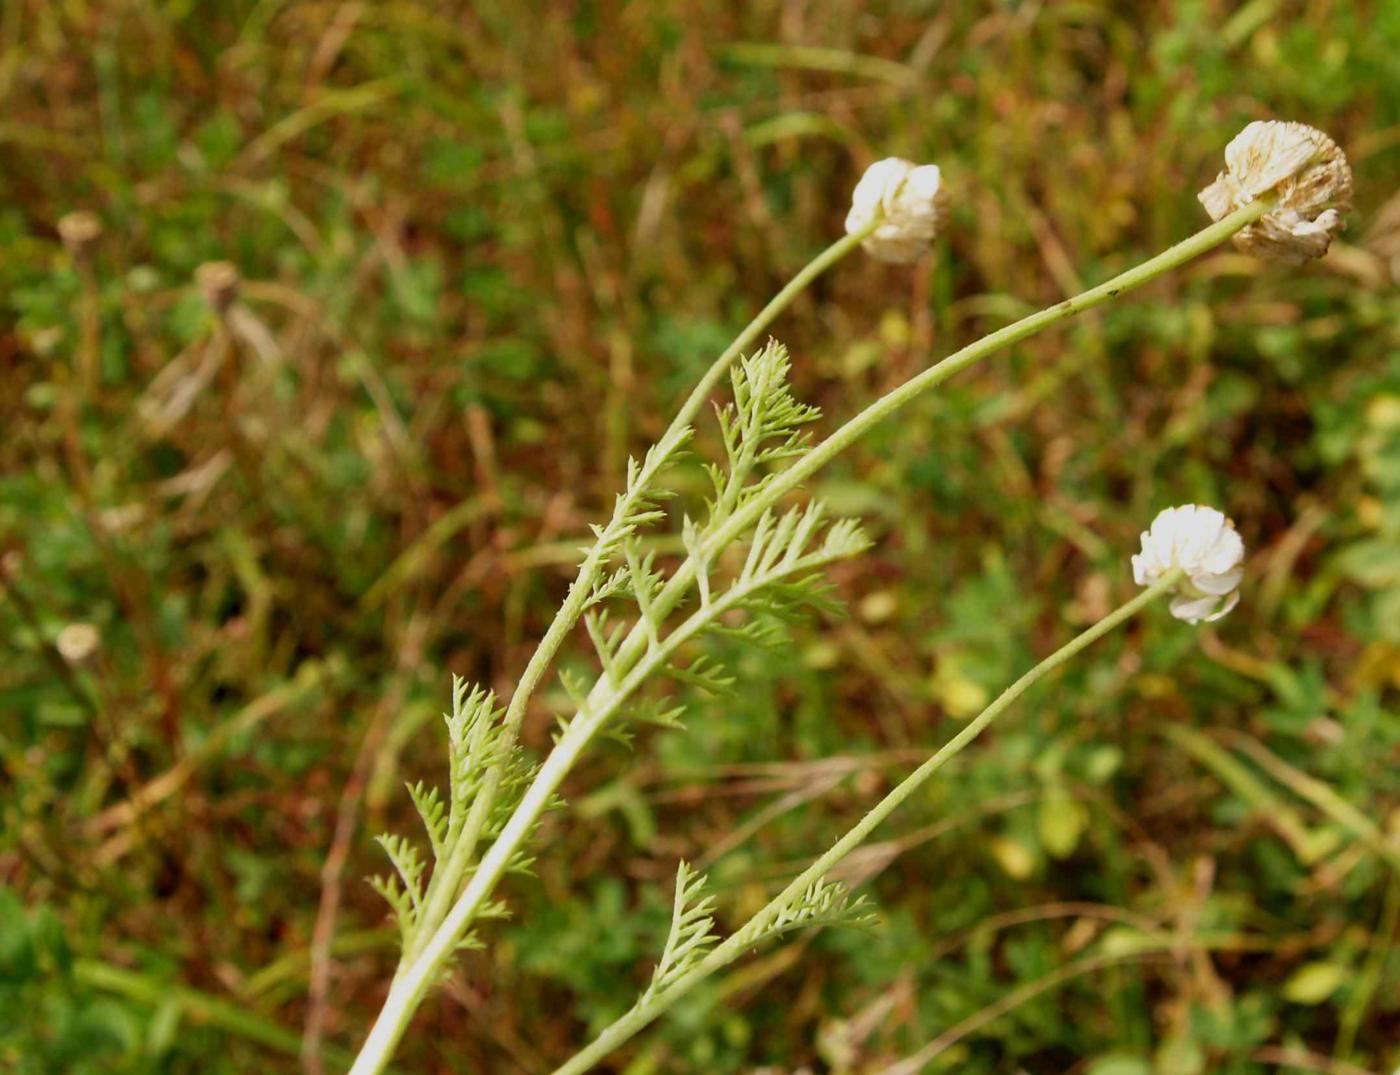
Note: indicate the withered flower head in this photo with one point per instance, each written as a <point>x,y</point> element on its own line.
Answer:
<point>219,282</point>
<point>1306,175</point>
<point>79,230</point>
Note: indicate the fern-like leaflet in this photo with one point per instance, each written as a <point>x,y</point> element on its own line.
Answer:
<point>476,744</point>
<point>822,903</point>
<point>782,573</point>
<point>627,599</point>
<point>691,934</point>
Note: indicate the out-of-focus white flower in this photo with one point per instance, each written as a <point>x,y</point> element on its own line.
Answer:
<point>77,642</point>
<point>907,200</point>
<point>1306,174</point>
<point>1204,544</point>
<point>79,230</point>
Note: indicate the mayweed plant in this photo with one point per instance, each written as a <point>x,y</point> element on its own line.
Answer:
<point>753,561</point>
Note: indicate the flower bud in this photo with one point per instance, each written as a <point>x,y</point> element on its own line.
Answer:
<point>1306,175</point>
<point>907,201</point>
<point>1204,545</point>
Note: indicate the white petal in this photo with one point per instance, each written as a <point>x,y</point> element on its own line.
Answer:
<point>1143,572</point>
<point>1230,602</point>
<point>1220,197</point>
<point>1220,584</point>
<point>1193,609</point>
<point>1264,154</point>
<point>925,181</point>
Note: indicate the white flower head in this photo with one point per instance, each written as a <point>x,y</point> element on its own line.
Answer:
<point>907,200</point>
<point>1305,173</point>
<point>77,642</point>
<point>1204,544</point>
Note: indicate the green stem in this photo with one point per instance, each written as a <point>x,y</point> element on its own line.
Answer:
<point>398,1010</point>
<point>765,317</point>
<point>416,975</point>
<point>445,884</point>
<point>752,931</point>
<point>1206,239</point>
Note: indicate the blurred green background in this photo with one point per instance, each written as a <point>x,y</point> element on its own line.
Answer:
<point>484,250</point>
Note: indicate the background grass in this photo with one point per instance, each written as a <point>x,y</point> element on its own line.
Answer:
<point>485,248</point>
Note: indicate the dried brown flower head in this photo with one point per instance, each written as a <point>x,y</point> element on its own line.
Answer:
<point>1306,175</point>
<point>219,282</point>
<point>79,230</point>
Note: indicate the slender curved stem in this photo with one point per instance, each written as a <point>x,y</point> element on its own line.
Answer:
<point>765,317</point>
<point>752,931</point>
<point>678,585</point>
<point>603,704</point>
<point>445,883</point>
<point>1206,239</point>
<point>437,943</point>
